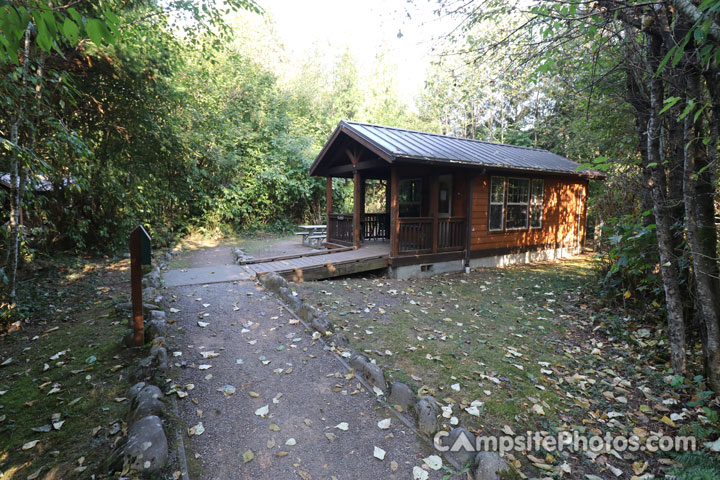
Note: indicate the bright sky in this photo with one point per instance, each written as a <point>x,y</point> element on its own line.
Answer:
<point>363,26</point>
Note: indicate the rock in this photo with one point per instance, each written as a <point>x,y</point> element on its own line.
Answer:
<point>168,256</point>
<point>273,282</point>
<point>426,415</point>
<point>489,466</point>
<point>159,353</point>
<point>402,395</point>
<point>287,296</point>
<point>157,315</point>
<point>321,322</point>
<point>463,450</point>
<point>148,401</point>
<point>149,292</point>
<point>339,340</point>
<point>146,449</point>
<point>306,312</point>
<point>148,307</point>
<point>369,372</point>
<point>150,366</point>
<point>294,303</point>
<point>155,328</point>
<point>128,340</point>
<point>123,307</point>
<point>135,389</point>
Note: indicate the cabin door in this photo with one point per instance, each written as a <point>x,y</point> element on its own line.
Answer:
<point>445,196</point>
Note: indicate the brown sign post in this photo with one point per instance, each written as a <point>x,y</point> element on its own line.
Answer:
<point>139,256</point>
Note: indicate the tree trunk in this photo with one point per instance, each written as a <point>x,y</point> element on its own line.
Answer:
<point>668,262</point>
<point>699,199</point>
<point>16,185</point>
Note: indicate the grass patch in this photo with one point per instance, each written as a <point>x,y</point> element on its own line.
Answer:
<point>484,333</point>
<point>67,366</point>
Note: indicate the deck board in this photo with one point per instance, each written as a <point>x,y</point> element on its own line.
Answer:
<point>368,257</point>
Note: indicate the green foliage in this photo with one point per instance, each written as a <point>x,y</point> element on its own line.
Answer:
<point>630,264</point>
<point>697,466</point>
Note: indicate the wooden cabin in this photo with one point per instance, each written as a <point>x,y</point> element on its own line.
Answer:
<point>453,203</point>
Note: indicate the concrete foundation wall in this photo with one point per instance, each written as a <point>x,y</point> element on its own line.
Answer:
<point>430,269</point>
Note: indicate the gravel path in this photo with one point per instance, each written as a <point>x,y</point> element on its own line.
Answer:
<point>271,360</point>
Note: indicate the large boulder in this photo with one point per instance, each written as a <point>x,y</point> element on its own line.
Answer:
<point>147,401</point>
<point>368,371</point>
<point>426,412</point>
<point>306,312</point>
<point>156,327</point>
<point>339,340</point>
<point>401,395</point>
<point>462,445</point>
<point>489,466</point>
<point>273,282</point>
<point>145,450</point>
<point>321,322</point>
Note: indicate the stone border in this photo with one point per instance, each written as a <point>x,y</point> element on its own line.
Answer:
<point>144,450</point>
<point>424,409</point>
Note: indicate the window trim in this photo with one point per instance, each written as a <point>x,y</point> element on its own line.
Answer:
<point>502,204</point>
<point>541,204</point>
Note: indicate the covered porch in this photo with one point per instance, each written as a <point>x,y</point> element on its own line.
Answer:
<point>424,211</point>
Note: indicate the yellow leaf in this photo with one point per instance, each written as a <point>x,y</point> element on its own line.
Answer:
<point>667,421</point>
<point>627,294</point>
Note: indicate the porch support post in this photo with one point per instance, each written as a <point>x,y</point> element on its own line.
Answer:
<point>394,212</point>
<point>468,217</point>
<point>434,199</point>
<point>357,208</point>
<point>328,207</point>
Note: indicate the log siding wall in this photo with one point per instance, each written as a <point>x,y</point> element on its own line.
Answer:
<point>562,197</point>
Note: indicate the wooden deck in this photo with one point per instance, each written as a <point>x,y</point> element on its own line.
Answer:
<point>332,264</point>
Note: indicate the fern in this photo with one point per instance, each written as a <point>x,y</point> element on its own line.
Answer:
<point>697,466</point>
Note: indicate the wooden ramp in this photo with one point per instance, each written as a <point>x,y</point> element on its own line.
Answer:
<point>327,265</point>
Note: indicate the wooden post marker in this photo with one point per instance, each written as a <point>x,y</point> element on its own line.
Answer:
<point>140,254</point>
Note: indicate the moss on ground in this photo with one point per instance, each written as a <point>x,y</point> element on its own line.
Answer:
<point>68,366</point>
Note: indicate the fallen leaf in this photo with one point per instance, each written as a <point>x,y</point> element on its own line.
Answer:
<point>434,462</point>
<point>342,426</point>
<point>420,474</point>
<point>262,411</point>
<point>379,453</point>
<point>384,424</point>
<point>248,456</point>
<point>29,445</point>
<point>198,429</point>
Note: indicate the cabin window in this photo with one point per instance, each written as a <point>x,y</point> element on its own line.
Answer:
<point>410,197</point>
<point>517,203</point>
<point>536,203</point>
<point>497,203</point>
<point>445,196</point>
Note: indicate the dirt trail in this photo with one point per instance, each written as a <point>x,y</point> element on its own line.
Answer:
<point>271,360</point>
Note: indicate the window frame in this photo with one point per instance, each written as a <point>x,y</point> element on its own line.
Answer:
<point>502,204</point>
<point>417,203</point>
<point>515,204</point>
<point>540,204</point>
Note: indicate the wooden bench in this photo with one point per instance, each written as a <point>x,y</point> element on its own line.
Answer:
<point>316,240</point>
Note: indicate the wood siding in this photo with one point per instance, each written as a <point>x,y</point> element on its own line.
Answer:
<point>563,198</point>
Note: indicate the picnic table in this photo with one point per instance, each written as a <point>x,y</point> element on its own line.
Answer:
<point>312,235</point>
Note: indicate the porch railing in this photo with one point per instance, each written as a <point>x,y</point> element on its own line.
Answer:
<point>376,226</point>
<point>451,233</point>
<point>340,228</point>
<point>415,235</point>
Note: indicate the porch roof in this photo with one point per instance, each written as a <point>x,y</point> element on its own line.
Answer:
<point>391,144</point>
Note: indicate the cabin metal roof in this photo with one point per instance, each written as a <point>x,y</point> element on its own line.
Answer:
<point>392,143</point>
